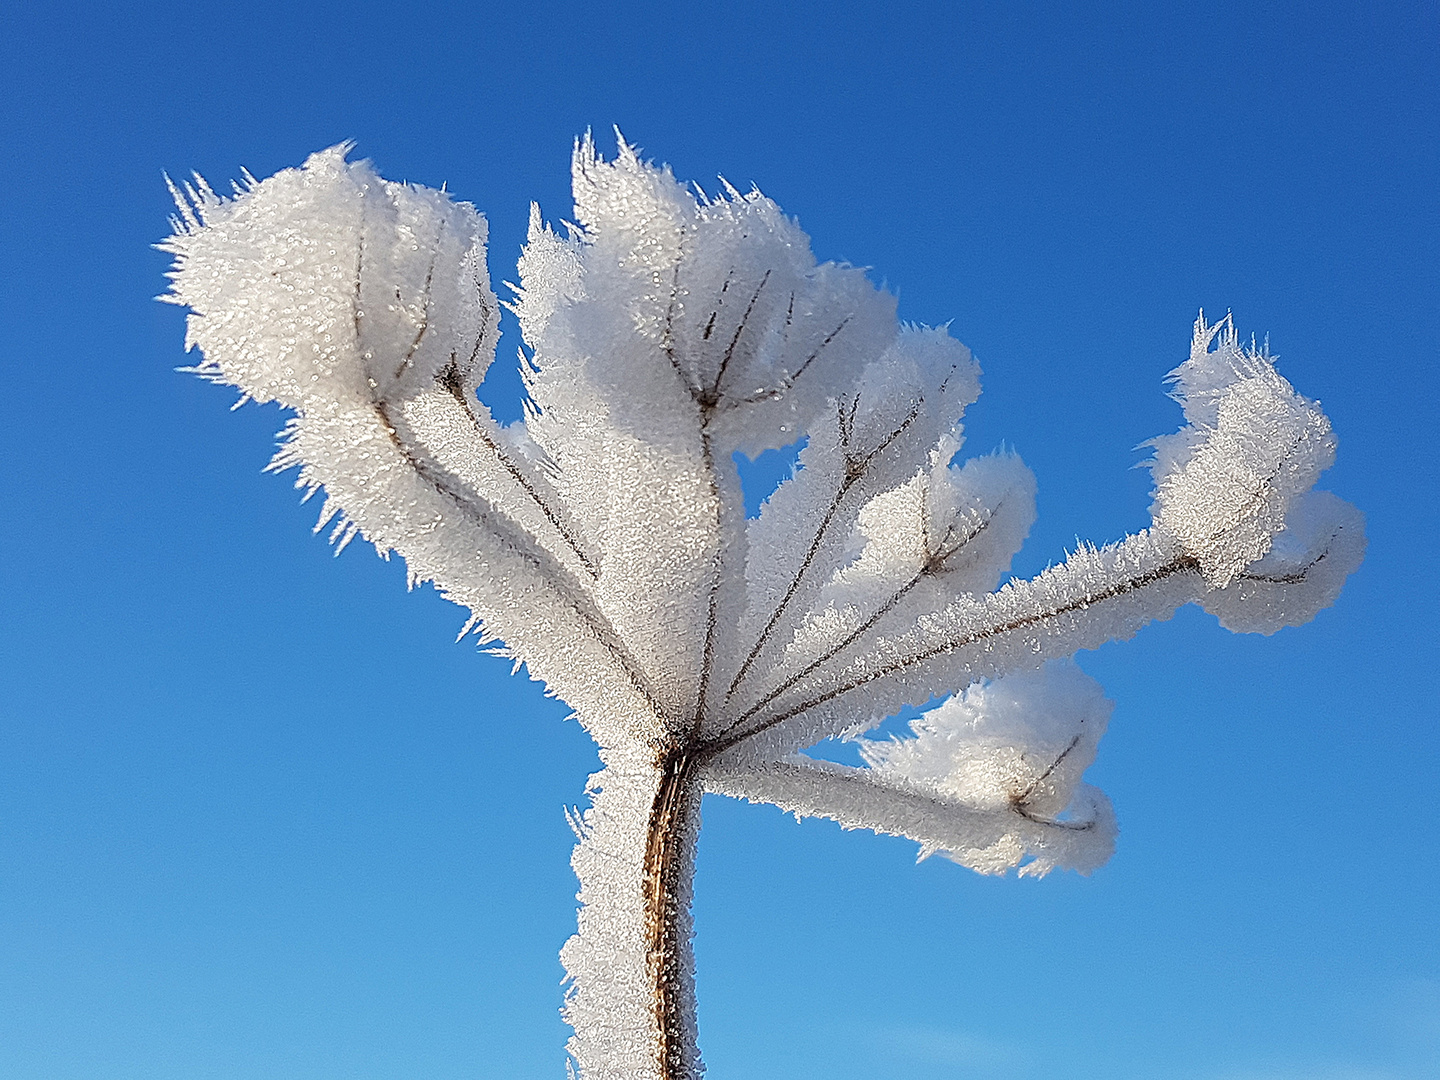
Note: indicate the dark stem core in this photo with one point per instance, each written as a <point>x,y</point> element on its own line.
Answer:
<point>666,880</point>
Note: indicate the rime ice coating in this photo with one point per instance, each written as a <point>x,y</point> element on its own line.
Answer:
<point>1251,447</point>
<point>991,777</point>
<point>603,540</point>
<point>328,282</point>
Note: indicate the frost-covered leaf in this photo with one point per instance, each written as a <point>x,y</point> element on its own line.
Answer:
<point>717,298</point>
<point>901,421</point>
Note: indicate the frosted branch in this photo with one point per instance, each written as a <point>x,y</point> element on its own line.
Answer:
<point>988,840</point>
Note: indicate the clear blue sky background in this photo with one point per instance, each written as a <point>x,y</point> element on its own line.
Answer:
<point>260,819</point>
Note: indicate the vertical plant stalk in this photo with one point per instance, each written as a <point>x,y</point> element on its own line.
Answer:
<point>668,878</point>
<point>631,998</point>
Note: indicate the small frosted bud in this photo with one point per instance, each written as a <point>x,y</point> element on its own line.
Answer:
<point>327,283</point>
<point>1224,483</point>
<point>1321,545</point>
<point>1022,741</point>
<point>916,391</point>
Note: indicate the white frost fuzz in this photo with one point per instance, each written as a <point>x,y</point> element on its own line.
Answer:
<point>603,539</point>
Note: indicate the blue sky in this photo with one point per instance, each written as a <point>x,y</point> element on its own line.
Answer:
<point>261,818</point>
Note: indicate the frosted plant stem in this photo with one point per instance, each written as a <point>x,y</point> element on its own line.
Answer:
<point>446,485</point>
<point>668,876</point>
<point>934,563</point>
<point>450,380</point>
<point>631,1000</point>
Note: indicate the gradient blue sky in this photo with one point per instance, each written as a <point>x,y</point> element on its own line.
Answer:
<point>260,818</point>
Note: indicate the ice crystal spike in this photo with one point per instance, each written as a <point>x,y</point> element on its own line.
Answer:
<point>603,538</point>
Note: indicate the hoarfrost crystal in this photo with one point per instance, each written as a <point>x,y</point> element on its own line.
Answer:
<point>603,539</point>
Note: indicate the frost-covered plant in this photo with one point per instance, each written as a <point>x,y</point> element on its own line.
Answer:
<point>604,541</point>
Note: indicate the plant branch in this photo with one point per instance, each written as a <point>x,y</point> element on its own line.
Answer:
<point>855,469</point>
<point>451,382</point>
<point>545,564</point>
<point>1177,565</point>
<point>666,877</point>
<point>934,564</point>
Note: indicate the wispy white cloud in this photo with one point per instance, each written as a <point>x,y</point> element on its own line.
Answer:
<point>1316,1071</point>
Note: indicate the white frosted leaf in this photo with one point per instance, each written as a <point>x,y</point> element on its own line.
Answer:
<point>949,532</point>
<point>717,299</point>
<point>868,443</point>
<point>1096,595</point>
